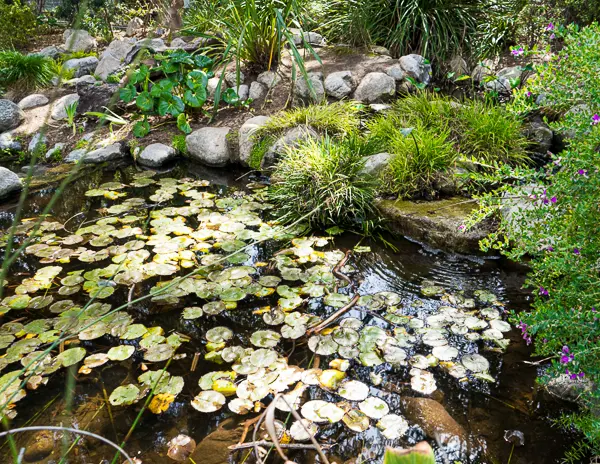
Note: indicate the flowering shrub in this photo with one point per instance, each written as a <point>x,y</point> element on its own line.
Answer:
<point>552,215</point>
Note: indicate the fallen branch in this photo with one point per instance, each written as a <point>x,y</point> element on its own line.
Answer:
<point>292,446</point>
<point>336,270</point>
<point>336,315</point>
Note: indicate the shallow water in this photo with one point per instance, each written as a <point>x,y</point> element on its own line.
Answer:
<point>484,410</point>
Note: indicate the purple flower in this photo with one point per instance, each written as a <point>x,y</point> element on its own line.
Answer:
<point>518,51</point>
<point>527,340</point>
<point>528,94</point>
<point>550,248</point>
<point>550,27</point>
<point>582,172</point>
<point>566,357</point>
<point>576,251</point>
<point>552,36</point>
<point>595,119</point>
<point>553,199</point>
<point>581,375</point>
<point>543,291</point>
<point>461,227</point>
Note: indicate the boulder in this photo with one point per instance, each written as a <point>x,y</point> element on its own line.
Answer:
<point>59,106</point>
<point>156,154</point>
<point>435,421</point>
<point>312,38</point>
<point>40,446</point>
<point>232,78</point>
<point>78,40</point>
<point>100,155</point>
<point>396,72</point>
<point>82,66</point>
<point>37,142</point>
<point>134,26</point>
<point>340,84</point>
<point>502,83</point>
<point>51,52</point>
<point>246,141</point>
<point>379,50</point>
<point>73,83</point>
<point>9,182</point>
<point>436,223</point>
<point>379,107</point>
<point>55,150</point>
<point>416,67</point>
<point>210,146</point>
<point>33,101</point>
<point>482,70</point>
<point>376,164</point>
<point>375,86</point>
<point>292,138</point>
<point>211,87</point>
<point>269,79</point>
<point>178,42</point>
<point>540,134</point>
<point>305,93</point>
<point>214,449</point>
<point>75,155</point>
<point>8,142</point>
<point>93,97</point>
<point>569,390</point>
<point>152,45</point>
<point>458,66</point>
<point>113,58</point>
<point>243,91</point>
<point>257,91</point>
<point>10,115</point>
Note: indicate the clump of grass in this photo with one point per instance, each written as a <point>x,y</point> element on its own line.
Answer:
<point>24,73</point>
<point>179,144</point>
<point>323,179</point>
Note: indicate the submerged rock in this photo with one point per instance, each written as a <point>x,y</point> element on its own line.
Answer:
<point>436,223</point>
<point>156,154</point>
<point>435,421</point>
<point>246,141</point>
<point>9,182</point>
<point>374,87</point>
<point>210,146</point>
<point>40,447</point>
<point>10,115</point>
<point>214,449</point>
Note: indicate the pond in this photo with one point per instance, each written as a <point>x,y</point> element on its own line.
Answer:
<point>241,327</point>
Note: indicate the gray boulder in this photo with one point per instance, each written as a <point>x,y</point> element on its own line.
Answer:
<point>257,91</point>
<point>541,136</point>
<point>178,42</point>
<point>51,52</point>
<point>232,78</point>
<point>59,106</point>
<point>458,66</point>
<point>9,182</point>
<point>243,91</point>
<point>75,155</point>
<point>100,155</point>
<point>152,45</point>
<point>58,148</point>
<point>82,66</point>
<point>396,72</point>
<point>291,139</point>
<point>376,164</point>
<point>269,79</point>
<point>210,146</point>
<point>246,140</point>
<point>78,40</point>
<point>135,26</point>
<point>73,83</point>
<point>156,154</point>
<point>93,97</point>
<point>379,50</point>
<point>416,67</point>
<point>10,115</point>
<point>113,58</point>
<point>340,84</point>
<point>33,101</point>
<point>304,92</point>
<point>211,86</point>
<point>502,83</point>
<point>569,390</point>
<point>375,86</point>
<point>482,70</point>
<point>7,142</point>
<point>37,142</point>
<point>312,38</point>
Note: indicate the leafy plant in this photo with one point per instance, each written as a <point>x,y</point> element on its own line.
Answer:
<point>24,73</point>
<point>179,144</point>
<point>17,24</point>
<point>324,176</point>
<point>71,111</point>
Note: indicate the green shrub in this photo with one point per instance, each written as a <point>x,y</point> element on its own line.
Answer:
<point>321,183</point>
<point>17,24</point>
<point>24,73</point>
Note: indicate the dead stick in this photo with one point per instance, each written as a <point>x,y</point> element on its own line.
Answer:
<point>331,319</point>
<point>292,446</point>
<point>247,425</point>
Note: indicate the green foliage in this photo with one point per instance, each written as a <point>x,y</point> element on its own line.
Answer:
<point>24,73</point>
<point>499,27</point>
<point>324,178</point>
<point>182,88</point>
<point>17,24</point>
<point>179,144</point>
<point>259,150</point>
<point>554,223</point>
<point>71,111</point>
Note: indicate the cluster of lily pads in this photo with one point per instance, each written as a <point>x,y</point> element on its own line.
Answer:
<point>194,249</point>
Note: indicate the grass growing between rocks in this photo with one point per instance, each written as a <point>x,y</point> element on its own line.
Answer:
<point>25,73</point>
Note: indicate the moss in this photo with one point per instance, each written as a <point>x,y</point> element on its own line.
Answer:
<point>259,150</point>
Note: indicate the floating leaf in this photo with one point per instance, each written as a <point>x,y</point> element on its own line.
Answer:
<point>124,395</point>
<point>71,356</point>
<point>208,401</point>
<point>121,352</point>
<point>373,407</point>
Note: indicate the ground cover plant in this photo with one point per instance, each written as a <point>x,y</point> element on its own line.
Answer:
<point>24,73</point>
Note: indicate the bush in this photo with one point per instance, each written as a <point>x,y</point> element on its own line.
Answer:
<point>24,73</point>
<point>554,227</point>
<point>17,24</point>
<point>321,184</point>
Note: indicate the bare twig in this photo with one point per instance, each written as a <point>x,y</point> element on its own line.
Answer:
<point>292,446</point>
<point>331,319</point>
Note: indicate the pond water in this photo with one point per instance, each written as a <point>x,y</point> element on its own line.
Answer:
<point>486,400</point>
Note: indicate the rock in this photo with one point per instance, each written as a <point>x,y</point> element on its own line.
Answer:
<point>379,50</point>
<point>59,106</point>
<point>78,40</point>
<point>396,72</point>
<point>269,79</point>
<point>375,86</point>
<point>211,86</point>
<point>10,115</point>
<point>38,142</point>
<point>376,164</point>
<point>569,390</point>
<point>482,70</point>
<point>75,155</point>
<point>232,78</point>
<point>435,421</point>
<point>436,223</point>
<point>312,38</point>
<point>502,83</point>
<point>152,45</point>
<point>54,151</point>
<point>340,84</point>
<point>156,154</point>
<point>292,138</point>
<point>416,67</point>
<point>541,136</point>
<point>135,26</point>
<point>458,66</point>
<point>93,97</point>
<point>81,80</point>
<point>379,107</point>
<point>113,58</point>
<point>243,92</point>
<point>214,449</point>
<point>178,42</point>
<point>246,141</point>
<point>33,101</point>
<point>82,66</point>
<point>7,142</point>
<point>210,145</point>
<point>51,52</point>
<point>100,155</point>
<point>303,91</point>
<point>9,182</point>
<point>40,447</point>
<point>257,91</point>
